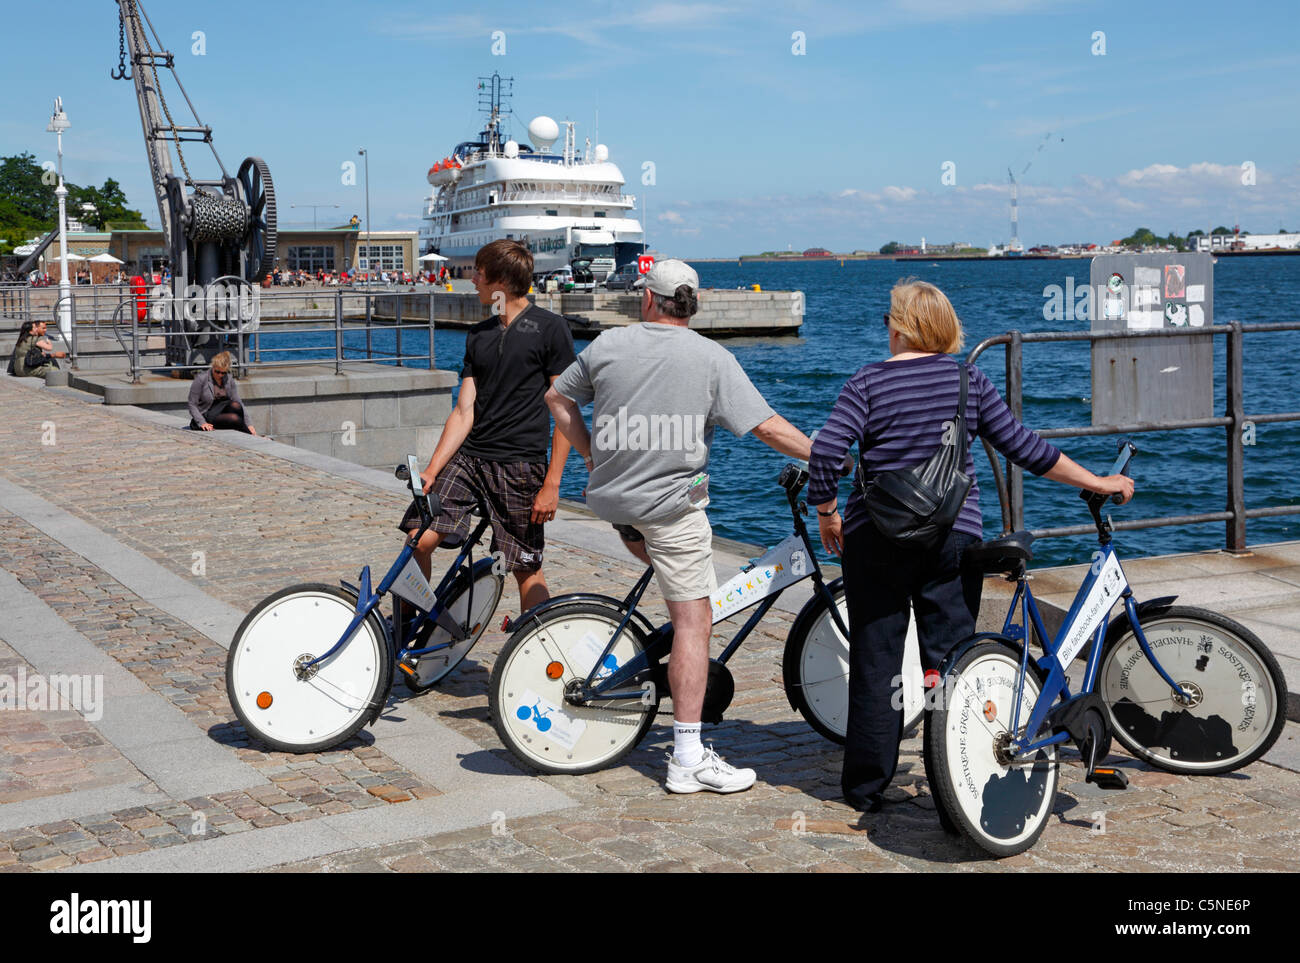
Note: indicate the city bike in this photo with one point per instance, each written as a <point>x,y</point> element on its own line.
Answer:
<point>580,681</point>
<point>313,663</point>
<point>1187,690</point>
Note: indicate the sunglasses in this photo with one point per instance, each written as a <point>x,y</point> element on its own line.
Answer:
<point>886,319</point>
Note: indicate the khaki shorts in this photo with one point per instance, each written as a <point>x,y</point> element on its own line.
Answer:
<point>681,551</point>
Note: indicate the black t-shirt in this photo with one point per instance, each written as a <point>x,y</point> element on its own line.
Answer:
<point>512,366</point>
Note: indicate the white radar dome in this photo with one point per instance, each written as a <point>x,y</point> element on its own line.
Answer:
<point>602,153</point>
<point>543,132</point>
<point>512,149</point>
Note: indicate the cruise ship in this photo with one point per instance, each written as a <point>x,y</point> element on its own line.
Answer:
<point>564,204</point>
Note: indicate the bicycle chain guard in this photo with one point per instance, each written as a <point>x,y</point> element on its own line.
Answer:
<point>1087,721</point>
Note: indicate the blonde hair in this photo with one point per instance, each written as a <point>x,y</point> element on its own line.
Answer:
<point>221,362</point>
<point>924,317</point>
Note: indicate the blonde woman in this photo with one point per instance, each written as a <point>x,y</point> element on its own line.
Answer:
<point>214,399</point>
<point>897,411</point>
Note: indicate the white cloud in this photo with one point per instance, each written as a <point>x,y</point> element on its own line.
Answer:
<point>899,193</point>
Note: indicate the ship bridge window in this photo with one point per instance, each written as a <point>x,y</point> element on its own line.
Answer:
<point>553,213</point>
<point>598,213</point>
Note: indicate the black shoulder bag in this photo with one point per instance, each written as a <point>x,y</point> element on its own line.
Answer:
<point>916,507</point>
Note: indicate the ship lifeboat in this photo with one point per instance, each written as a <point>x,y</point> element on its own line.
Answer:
<point>445,171</point>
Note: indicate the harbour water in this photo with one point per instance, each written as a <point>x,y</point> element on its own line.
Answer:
<point>1176,472</point>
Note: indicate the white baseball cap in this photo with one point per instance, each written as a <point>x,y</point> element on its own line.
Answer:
<point>667,276</point>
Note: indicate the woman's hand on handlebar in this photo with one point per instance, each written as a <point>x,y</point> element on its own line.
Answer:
<point>1120,485</point>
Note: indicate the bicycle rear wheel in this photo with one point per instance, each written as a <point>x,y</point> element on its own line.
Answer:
<point>486,595</point>
<point>815,669</point>
<point>527,703</point>
<point>1237,689</point>
<point>1002,805</point>
<point>296,710</point>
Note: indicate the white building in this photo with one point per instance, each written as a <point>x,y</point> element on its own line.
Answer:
<point>1249,242</point>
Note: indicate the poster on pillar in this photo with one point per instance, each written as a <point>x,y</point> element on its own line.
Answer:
<point>1152,379</point>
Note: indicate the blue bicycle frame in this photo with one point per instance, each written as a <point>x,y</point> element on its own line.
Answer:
<point>1056,683</point>
<point>368,601</point>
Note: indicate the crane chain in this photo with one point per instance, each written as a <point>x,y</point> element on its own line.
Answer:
<point>142,43</point>
<point>121,73</point>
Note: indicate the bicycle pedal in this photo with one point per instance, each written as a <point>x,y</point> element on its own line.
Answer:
<point>407,668</point>
<point>1104,777</point>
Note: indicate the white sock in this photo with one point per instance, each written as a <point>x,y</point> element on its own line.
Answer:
<point>687,747</point>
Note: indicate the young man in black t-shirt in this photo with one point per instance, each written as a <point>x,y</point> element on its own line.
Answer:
<point>495,440</point>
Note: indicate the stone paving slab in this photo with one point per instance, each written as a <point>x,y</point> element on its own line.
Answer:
<point>275,520</point>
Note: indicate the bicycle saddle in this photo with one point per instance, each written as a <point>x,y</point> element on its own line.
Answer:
<point>1006,554</point>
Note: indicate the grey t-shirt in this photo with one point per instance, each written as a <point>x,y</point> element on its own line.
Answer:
<point>659,390</point>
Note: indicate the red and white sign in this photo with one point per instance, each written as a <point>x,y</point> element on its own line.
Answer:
<point>644,263</point>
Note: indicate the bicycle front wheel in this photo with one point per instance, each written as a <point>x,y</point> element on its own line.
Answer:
<point>292,708</point>
<point>1236,691</point>
<point>471,604</point>
<point>816,670</point>
<point>526,694</point>
<point>1001,804</point>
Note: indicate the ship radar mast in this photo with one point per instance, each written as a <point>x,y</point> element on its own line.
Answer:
<point>494,95</point>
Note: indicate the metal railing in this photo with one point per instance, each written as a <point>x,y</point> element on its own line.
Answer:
<point>1010,487</point>
<point>341,312</point>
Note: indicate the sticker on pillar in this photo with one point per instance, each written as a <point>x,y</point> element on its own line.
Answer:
<point>1175,280</point>
<point>1175,314</point>
<point>1113,306</point>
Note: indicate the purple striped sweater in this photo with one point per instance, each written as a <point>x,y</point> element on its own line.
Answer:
<point>895,411</point>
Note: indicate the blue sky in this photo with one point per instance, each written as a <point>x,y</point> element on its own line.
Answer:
<point>755,146</point>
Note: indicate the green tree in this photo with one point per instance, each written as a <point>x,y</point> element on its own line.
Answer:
<point>1142,236</point>
<point>22,181</point>
<point>890,248</point>
<point>1222,230</point>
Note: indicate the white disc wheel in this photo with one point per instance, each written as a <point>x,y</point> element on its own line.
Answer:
<point>290,707</point>
<point>817,673</point>
<point>545,655</point>
<point>483,600</point>
<point>1001,803</point>
<point>1235,692</point>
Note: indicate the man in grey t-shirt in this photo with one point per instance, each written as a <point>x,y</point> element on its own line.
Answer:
<point>659,389</point>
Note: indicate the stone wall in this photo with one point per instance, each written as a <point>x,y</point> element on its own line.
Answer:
<point>372,415</point>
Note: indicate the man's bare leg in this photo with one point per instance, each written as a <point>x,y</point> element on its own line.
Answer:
<point>688,668</point>
<point>532,589</point>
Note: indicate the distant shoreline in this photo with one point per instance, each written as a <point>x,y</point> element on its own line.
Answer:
<point>798,259</point>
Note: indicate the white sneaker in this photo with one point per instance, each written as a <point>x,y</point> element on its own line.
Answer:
<point>711,773</point>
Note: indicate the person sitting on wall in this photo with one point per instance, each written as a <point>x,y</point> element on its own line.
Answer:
<point>214,399</point>
<point>33,354</point>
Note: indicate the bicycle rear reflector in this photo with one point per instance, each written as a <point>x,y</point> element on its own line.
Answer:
<point>264,700</point>
<point>554,670</point>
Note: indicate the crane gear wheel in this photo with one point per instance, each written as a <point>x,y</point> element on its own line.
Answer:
<point>258,192</point>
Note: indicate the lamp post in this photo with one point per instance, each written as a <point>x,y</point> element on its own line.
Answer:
<point>58,124</point>
<point>369,247</point>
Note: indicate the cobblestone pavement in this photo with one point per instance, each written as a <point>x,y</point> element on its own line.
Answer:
<point>240,524</point>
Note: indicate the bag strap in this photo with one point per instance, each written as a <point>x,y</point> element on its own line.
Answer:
<point>961,409</point>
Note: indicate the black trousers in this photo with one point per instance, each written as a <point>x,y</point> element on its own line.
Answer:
<point>881,582</point>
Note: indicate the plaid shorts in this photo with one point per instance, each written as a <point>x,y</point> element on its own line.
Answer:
<point>508,488</point>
